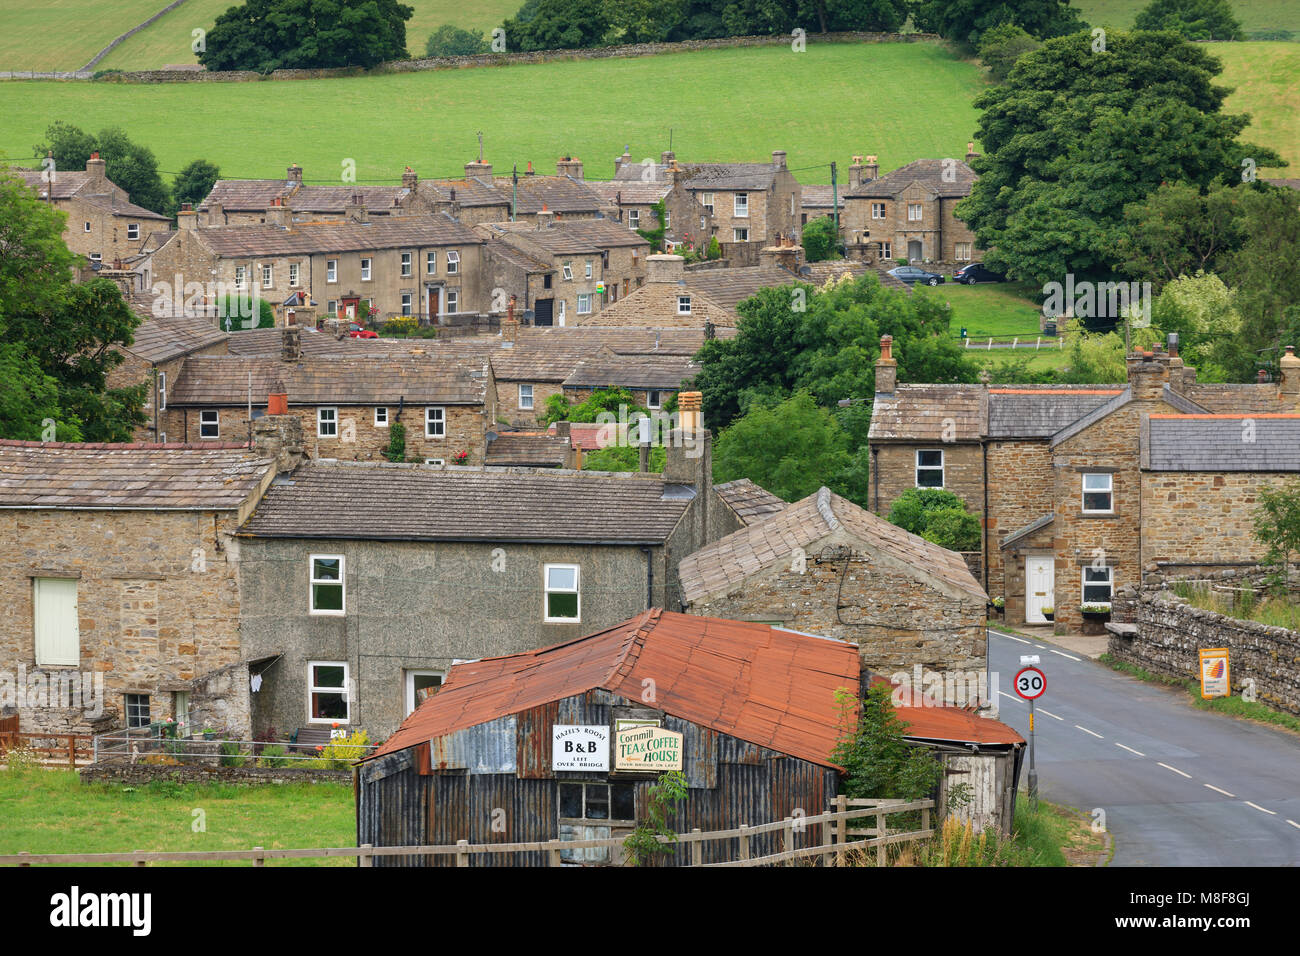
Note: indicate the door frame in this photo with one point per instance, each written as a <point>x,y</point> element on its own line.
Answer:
<point>1033,602</point>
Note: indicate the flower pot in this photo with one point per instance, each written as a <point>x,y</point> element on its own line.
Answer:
<point>1051,616</point>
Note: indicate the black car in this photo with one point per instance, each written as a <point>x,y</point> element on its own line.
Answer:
<point>912,275</point>
<point>974,272</point>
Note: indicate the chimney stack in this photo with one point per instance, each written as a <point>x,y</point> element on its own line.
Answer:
<point>545,218</point>
<point>277,214</point>
<point>1289,389</point>
<point>355,210</point>
<point>278,434</point>
<point>290,343</point>
<point>216,215</point>
<point>1148,373</point>
<point>186,217</point>
<point>623,160</point>
<point>478,170</point>
<point>871,170</point>
<point>688,459</point>
<point>665,268</point>
<point>886,367</point>
<point>510,327</point>
<point>778,158</point>
<point>783,253</point>
<point>294,174</point>
<point>409,179</point>
<point>970,153</point>
<point>855,173</point>
<point>667,157</point>
<point>98,170</point>
<point>569,166</point>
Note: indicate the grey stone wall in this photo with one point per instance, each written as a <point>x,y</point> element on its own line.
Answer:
<point>137,774</point>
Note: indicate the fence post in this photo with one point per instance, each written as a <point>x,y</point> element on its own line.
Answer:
<point>553,852</point>
<point>842,825</point>
<point>139,858</point>
<point>925,819</point>
<point>744,841</point>
<point>828,841</point>
<point>366,858</point>
<point>72,751</point>
<point>24,853</point>
<point>258,860</point>
<point>462,858</point>
<point>880,838</point>
<point>697,849</point>
<point>787,834</point>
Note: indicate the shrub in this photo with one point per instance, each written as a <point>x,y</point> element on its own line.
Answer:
<point>273,756</point>
<point>820,240</point>
<point>396,450</point>
<point>231,754</point>
<point>877,761</point>
<point>341,752</point>
<point>399,325</point>
<point>937,515</point>
<point>450,40</point>
<point>1001,46</point>
<point>21,760</point>
<point>642,844</point>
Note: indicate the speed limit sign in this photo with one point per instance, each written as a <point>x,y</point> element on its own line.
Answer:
<point>1030,683</point>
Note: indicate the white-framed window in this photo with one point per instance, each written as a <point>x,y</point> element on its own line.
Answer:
<point>1098,585</point>
<point>327,692</point>
<point>162,391</point>
<point>740,206</point>
<point>331,270</point>
<point>365,269</point>
<point>406,303</point>
<point>563,601</point>
<point>87,227</point>
<point>877,210</point>
<point>683,305</point>
<point>241,277</point>
<point>95,257</point>
<point>163,438</point>
<point>914,211</point>
<point>55,622</point>
<point>431,262</point>
<point>420,686</point>
<point>209,423</point>
<point>137,710</point>
<point>525,397</point>
<point>588,268</point>
<point>435,422</point>
<point>453,300</point>
<point>267,277</point>
<point>326,589</point>
<point>706,200</point>
<point>294,275</point>
<point>327,422</point>
<point>962,252</point>
<point>740,235</point>
<point>381,416</point>
<point>1098,493</point>
<point>453,262</point>
<point>133,230</point>
<point>668,219</point>
<point>568,272</point>
<point>332,307</point>
<point>929,468</point>
<point>654,398</point>
<point>406,264</point>
<point>886,250</point>
<point>634,219</point>
<point>584,303</point>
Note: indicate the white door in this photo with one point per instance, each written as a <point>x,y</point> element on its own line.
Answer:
<point>1040,585</point>
<point>58,634</point>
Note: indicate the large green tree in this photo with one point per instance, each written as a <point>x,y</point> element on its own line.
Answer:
<point>1178,230</point>
<point>1001,46</point>
<point>1194,19</point>
<point>965,21</point>
<point>128,165</point>
<point>1264,273</point>
<point>267,35</point>
<point>193,183</point>
<point>449,40</point>
<point>558,25</point>
<point>1077,132</point>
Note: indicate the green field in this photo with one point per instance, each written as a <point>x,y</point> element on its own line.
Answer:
<point>999,309</point>
<point>1255,15</point>
<point>1266,78</point>
<point>50,811</point>
<point>832,102</point>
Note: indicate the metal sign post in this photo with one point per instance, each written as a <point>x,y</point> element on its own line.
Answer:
<point>1031,683</point>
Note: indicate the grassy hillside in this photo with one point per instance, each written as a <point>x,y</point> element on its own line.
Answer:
<point>65,34</point>
<point>1256,16</point>
<point>828,103</point>
<point>1266,78</point>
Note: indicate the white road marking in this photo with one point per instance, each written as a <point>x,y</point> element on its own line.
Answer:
<point>1007,696</point>
<point>1131,750</point>
<point>1063,654</point>
<point>1294,824</point>
<point>1093,732</point>
<point>1217,790</point>
<point>1049,714</point>
<point>1258,807</point>
<point>1175,770</point>
<point>1011,638</point>
<point>1041,647</point>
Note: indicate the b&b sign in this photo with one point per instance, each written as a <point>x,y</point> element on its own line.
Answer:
<point>647,748</point>
<point>579,747</point>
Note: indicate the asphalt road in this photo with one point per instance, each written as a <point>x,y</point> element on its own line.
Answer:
<point>1179,786</point>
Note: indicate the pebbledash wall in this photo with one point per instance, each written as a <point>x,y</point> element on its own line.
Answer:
<point>1170,632</point>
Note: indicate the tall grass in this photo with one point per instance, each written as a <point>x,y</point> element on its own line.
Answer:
<point>1241,603</point>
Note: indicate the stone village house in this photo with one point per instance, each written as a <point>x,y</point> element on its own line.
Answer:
<point>1082,489</point>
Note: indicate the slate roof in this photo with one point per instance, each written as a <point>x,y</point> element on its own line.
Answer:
<point>656,303</point>
<point>624,340</point>
<point>331,380</point>
<point>631,371</point>
<point>765,685</point>
<point>395,232</point>
<point>929,413</point>
<point>160,338</point>
<point>527,449</point>
<point>1097,414</point>
<point>727,563</point>
<point>1259,442</point>
<point>171,477</point>
<point>266,343</point>
<point>730,287</point>
<point>386,502</point>
<point>928,172</point>
<point>1040,411</point>
<point>109,203</point>
<point>749,501</point>
<point>727,176</point>
<point>498,248</point>
<point>470,193</point>
<point>65,185</point>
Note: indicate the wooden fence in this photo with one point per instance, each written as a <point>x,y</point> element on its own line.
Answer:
<point>62,748</point>
<point>838,837</point>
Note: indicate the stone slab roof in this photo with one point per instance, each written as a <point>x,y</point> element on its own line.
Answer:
<point>527,449</point>
<point>332,380</point>
<point>394,232</point>
<point>751,503</point>
<point>629,192</point>
<point>1091,418</point>
<point>160,338</point>
<point>470,193</point>
<point>556,193</point>
<point>728,176</point>
<point>816,196</point>
<point>929,413</point>
<point>1260,442</point>
<point>933,174</point>
<point>727,563</point>
<point>247,195</point>
<point>335,199</point>
<point>730,287</point>
<point>607,368</point>
<point>655,303</point>
<point>1040,411</point>
<point>498,248</point>
<point>266,343</point>
<point>110,204</point>
<point>1229,398</point>
<point>159,477</point>
<point>568,236</point>
<point>65,186</point>
<point>1024,532</point>
<point>383,502</point>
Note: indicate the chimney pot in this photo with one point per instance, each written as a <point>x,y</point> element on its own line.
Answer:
<point>886,367</point>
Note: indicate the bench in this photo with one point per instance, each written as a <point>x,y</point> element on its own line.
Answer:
<point>307,739</point>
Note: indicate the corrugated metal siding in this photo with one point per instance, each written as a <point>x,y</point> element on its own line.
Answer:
<point>484,748</point>
<point>392,807</point>
<point>533,741</point>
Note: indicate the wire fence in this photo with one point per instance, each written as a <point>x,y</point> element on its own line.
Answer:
<point>156,745</point>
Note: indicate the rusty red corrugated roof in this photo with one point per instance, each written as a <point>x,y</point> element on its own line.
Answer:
<point>928,719</point>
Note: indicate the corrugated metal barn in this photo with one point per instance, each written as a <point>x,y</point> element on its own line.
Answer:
<point>756,707</point>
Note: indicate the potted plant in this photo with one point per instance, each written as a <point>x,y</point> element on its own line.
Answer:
<point>1095,612</point>
<point>1049,613</point>
<point>209,733</point>
<point>999,605</point>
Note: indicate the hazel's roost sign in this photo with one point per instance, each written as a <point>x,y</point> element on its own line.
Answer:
<point>647,748</point>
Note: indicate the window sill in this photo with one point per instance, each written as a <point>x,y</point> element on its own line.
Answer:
<point>1098,514</point>
<point>328,613</point>
<point>561,620</point>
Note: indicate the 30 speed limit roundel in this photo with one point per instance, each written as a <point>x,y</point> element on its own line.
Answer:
<point>1030,683</point>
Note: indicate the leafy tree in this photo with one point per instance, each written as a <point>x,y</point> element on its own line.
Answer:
<point>884,16</point>
<point>29,399</point>
<point>1277,523</point>
<point>559,25</point>
<point>1178,230</point>
<point>878,762</point>
<point>449,40</point>
<point>602,401</point>
<point>267,35</point>
<point>1194,19</point>
<point>791,448</point>
<point>937,515</point>
<point>1265,272</point>
<point>1200,309</point>
<point>1075,135</point>
<point>622,458</point>
<point>820,240</point>
<point>35,262</point>
<point>655,236</point>
<point>193,183</point>
<point>1100,356</point>
<point>1002,45</point>
<point>662,799</point>
<point>644,21</point>
<point>127,164</point>
<point>966,20</point>
<point>234,313</point>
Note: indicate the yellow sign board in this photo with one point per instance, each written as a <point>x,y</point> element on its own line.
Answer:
<point>647,748</point>
<point>1214,673</point>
